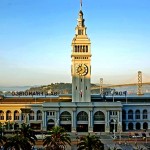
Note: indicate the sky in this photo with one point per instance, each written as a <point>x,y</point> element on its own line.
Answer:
<point>36,36</point>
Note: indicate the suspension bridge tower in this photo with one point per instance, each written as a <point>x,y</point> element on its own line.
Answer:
<point>139,84</point>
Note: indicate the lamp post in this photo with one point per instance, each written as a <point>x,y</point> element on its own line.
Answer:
<point>57,122</point>
<point>25,111</point>
<point>2,129</point>
<point>113,92</point>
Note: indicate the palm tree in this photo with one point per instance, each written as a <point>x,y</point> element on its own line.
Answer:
<point>2,138</point>
<point>90,142</point>
<point>57,139</point>
<point>27,132</point>
<point>17,142</point>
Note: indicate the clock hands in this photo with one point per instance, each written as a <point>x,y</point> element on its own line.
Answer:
<point>81,69</point>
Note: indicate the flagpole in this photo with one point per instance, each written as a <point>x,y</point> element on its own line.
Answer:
<point>80,4</point>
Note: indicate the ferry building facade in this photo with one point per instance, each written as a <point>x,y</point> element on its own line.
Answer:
<point>79,112</point>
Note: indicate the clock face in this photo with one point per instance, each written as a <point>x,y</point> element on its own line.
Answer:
<point>81,69</point>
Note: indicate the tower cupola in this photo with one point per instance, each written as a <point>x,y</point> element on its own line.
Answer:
<point>80,19</point>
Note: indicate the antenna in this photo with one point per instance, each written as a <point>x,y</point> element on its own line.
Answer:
<point>80,4</point>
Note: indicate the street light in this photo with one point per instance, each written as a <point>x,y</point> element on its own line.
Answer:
<point>57,122</point>
<point>25,112</point>
<point>113,92</point>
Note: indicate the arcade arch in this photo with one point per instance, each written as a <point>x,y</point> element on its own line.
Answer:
<point>82,122</point>
<point>50,124</point>
<point>99,122</point>
<point>65,120</point>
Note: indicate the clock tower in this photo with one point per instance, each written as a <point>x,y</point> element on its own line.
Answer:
<point>81,63</point>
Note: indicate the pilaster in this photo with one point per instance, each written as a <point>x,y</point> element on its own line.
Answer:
<point>107,126</point>
<point>74,121</point>
<point>90,127</point>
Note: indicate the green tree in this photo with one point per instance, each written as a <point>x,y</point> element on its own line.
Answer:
<point>2,138</point>
<point>28,133</point>
<point>17,142</point>
<point>57,139</point>
<point>90,142</point>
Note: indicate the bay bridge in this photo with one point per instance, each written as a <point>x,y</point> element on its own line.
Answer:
<point>139,85</point>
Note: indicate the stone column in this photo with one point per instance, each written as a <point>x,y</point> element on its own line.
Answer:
<point>12,115</point>
<point>141,115</point>
<point>90,126</point>
<point>134,115</point>
<point>134,126</point>
<point>120,121</point>
<point>141,124</point>
<point>126,115</point>
<point>148,125</point>
<point>57,121</point>
<point>127,126</point>
<point>20,116</point>
<point>4,115</point>
<point>107,119</point>
<point>44,120</point>
<point>35,115</point>
<point>74,120</point>
<point>119,128</point>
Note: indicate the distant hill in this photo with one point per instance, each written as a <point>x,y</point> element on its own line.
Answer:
<point>60,88</point>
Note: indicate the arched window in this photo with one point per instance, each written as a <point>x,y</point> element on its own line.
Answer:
<point>137,114</point>
<point>145,125</point>
<point>39,115</point>
<point>99,116</point>
<point>138,126</point>
<point>130,126</point>
<point>1,115</point>
<point>144,114</point>
<point>123,114</point>
<point>65,116</point>
<point>31,115</point>
<point>82,116</point>
<point>50,121</point>
<point>8,115</point>
<point>130,114</point>
<point>16,115</point>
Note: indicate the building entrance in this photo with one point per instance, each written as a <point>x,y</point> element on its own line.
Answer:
<point>67,127</point>
<point>82,128</point>
<point>99,128</point>
<point>113,126</point>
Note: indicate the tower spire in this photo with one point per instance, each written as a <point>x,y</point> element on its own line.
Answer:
<point>80,4</point>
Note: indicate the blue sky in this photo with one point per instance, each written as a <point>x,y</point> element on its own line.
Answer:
<point>36,35</point>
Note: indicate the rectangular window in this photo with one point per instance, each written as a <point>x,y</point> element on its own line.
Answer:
<point>16,118</point>
<point>110,112</point>
<point>51,113</point>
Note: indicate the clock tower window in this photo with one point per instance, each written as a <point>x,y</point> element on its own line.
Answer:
<point>80,32</point>
<point>78,48</point>
<point>75,48</point>
<point>86,48</point>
